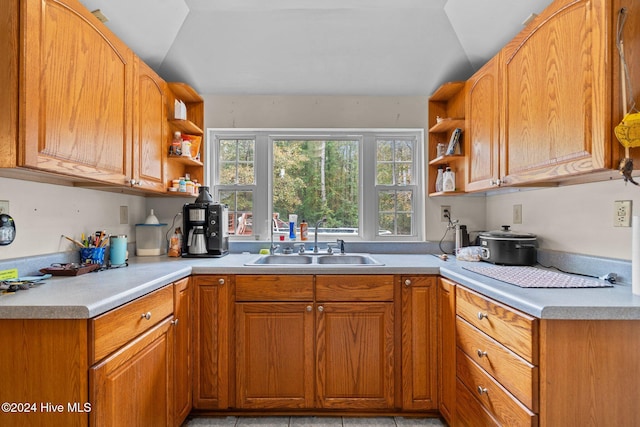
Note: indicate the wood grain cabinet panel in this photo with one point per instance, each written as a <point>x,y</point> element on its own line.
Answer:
<point>275,355</point>
<point>483,128</point>
<point>212,341</point>
<point>114,328</point>
<point>151,137</point>
<point>132,387</point>
<point>419,343</point>
<point>183,350</point>
<point>561,91</point>
<point>446,344</point>
<point>76,94</point>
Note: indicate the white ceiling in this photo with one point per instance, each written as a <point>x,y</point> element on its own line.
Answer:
<point>316,47</point>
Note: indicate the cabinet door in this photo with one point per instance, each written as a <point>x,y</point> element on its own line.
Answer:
<point>274,359</point>
<point>446,296</point>
<point>556,91</point>
<point>132,387</point>
<point>76,94</point>
<point>211,368</point>
<point>355,355</point>
<point>150,130</point>
<point>183,377</point>
<point>419,349</point>
<point>483,126</point>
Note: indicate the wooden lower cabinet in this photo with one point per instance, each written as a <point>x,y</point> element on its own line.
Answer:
<point>132,387</point>
<point>183,349</point>
<point>419,344</point>
<point>274,355</point>
<point>338,339</point>
<point>355,355</point>
<point>211,342</point>
<point>446,344</point>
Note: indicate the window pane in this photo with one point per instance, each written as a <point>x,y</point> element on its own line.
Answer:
<point>240,211</point>
<point>394,162</point>
<point>316,179</point>
<point>236,161</point>
<point>395,213</point>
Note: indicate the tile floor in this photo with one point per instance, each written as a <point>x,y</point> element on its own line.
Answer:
<point>301,421</point>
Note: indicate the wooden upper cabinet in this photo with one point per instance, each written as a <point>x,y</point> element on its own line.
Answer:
<point>561,92</point>
<point>76,93</point>
<point>483,128</point>
<point>150,130</point>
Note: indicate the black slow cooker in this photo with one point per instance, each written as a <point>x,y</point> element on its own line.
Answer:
<point>506,247</point>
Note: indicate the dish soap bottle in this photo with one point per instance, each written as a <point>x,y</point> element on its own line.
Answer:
<point>304,230</point>
<point>448,180</point>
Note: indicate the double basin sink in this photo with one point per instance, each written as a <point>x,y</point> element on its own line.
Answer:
<point>315,259</point>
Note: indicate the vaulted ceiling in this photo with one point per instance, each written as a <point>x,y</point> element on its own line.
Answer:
<point>316,47</point>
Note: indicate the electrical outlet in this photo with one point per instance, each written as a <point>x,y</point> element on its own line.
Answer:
<point>124,214</point>
<point>517,214</point>
<point>4,207</point>
<point>443,213</point>
<point>622,213</point>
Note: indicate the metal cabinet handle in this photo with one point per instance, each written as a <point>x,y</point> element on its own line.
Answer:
<point>482,315</point>
<point>482,353</point>
<point>320,308</point>
<point>482,390</point>
<point>221,281</point>
<point>309,308</point>
<point>174,322</point>
<point>146,315</point>
<point>407,282</point>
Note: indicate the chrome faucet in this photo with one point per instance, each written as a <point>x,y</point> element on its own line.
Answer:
<point>272,248</point>
<point>315,237</point>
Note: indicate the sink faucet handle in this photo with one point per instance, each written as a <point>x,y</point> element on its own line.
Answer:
<point>330,247</point>
<point>301,245</point>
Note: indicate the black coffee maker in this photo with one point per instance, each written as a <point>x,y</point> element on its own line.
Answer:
<point>206,227</point>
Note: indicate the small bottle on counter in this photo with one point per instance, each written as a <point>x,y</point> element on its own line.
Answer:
<point>304,230</point>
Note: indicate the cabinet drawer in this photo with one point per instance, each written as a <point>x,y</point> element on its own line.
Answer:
<point>513,329</point>
<point>513,372</point>
<point>469,410</point>
<point>274,288</point>
<point>495,399</point>
<point>113,329</point>
<point>354,288</point>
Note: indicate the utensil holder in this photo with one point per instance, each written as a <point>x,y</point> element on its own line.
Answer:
<point>92,256</point>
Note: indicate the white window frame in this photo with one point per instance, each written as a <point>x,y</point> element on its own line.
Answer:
<point>368,203</point>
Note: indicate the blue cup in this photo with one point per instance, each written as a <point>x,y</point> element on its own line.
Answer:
<point>118,250</point>
<point>92,256</point>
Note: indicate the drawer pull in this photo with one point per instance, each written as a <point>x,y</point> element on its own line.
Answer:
<point>407,282</point>
<point>482,353</point>
<point>146,315</point>
<point>174,322</point>
<point>221,281</point>
<point>309,308</point>
<point>482,315</point>
<point>482,390</point>
<point>320,308</point>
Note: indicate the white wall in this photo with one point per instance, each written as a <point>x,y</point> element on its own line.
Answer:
<point>44,212</point>
<point>575,218</point>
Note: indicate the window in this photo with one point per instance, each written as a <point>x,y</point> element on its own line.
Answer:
<point>367,185</point>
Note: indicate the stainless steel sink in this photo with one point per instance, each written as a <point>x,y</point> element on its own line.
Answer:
<point>347,259</point>
<point>315,260</point>
<point>282,260</point>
